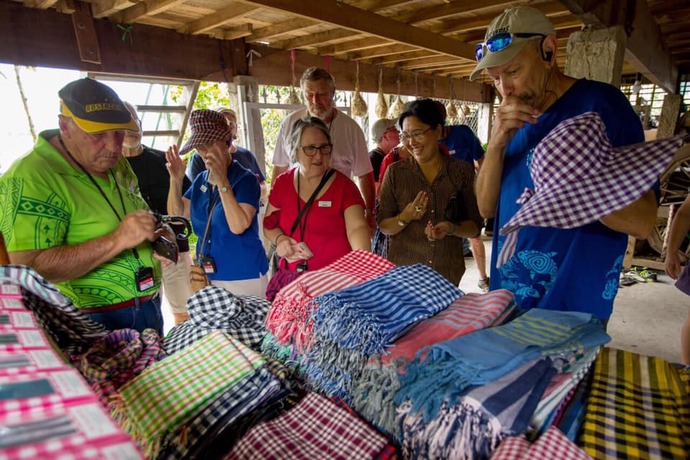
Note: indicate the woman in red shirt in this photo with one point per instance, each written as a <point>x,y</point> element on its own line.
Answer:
<point>333,224</point>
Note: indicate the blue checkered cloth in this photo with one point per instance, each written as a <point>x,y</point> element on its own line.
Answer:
<point>378,311</point>
<point>249,394</point>
<point>214,308</point>
<point>72,331</point>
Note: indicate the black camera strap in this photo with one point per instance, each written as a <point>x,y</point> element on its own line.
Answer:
<point>211,207</point>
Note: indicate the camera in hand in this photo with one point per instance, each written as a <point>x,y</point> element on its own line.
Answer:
<point>172,236</point>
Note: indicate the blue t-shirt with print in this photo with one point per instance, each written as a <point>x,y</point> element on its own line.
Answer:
<point>237,257</point>
<point>563,269</point>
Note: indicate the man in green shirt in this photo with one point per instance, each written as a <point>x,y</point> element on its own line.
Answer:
<point>70,209</point>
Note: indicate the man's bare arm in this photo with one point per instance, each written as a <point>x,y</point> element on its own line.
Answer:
<point>637,219</point>
<point>63,263</point>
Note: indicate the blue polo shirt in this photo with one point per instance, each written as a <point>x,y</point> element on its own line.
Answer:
<point>237,257</point>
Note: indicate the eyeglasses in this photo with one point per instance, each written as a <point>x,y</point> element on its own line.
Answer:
<point>310,150</point>
<point>499,42</point>
<point>417,135</point>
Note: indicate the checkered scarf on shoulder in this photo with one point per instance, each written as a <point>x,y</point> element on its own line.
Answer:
<point>579,177</point>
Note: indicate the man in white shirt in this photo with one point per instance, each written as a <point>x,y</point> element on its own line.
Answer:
<point>350,155</point>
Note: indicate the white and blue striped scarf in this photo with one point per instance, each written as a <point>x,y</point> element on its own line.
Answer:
<point>368,316</point>
<point>483,356</point>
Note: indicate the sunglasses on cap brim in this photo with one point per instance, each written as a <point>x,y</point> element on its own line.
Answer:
<point>499,42</point>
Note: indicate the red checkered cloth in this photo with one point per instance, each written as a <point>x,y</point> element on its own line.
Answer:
<point>316,428</point>
<point>512,448</point>
<point>40,391</point>
<point>76,431</point>
<point>288,318</point>
<point>553,444</point>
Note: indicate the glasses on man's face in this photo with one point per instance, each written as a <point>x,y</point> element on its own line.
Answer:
<point>499,42</point>
<point>324,149</point>
<point>417,136</point>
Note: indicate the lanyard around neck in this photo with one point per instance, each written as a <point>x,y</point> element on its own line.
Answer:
<point>100,190</point>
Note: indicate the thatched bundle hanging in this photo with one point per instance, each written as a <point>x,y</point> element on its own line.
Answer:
<point>293,99</point>
<point>381,108</point>
<point>359,106</point>
<point>398,107</point>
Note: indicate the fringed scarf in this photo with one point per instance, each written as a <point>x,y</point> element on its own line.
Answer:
<point>450,367</point>
<point>289,317</point>
<point>473,427</point>
<point>373,395</point>
<point>118,358</point>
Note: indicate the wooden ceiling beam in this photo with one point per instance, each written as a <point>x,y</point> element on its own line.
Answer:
<point>352,46</point>
<point>336,13</point>
<point>264,69</point>
<point>143,9</point>
<point>105,8</point>
<point>264,33</point>
<point>427,63</point>
<point>311,39</point>
<point>482,21</point>
<point>447,10</point>
<point>644,49</point>
<point>401,57</point>
<point>386,50</point>
<point>217,19</point>
<point>149,54</point>
<point>233,33</point>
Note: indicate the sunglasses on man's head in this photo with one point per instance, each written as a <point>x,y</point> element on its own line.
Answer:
<point>499,42</point>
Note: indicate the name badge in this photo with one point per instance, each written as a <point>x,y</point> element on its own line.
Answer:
<point>324,204</point>
<point>203,188</point>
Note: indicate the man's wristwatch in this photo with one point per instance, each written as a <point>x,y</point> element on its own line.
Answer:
<point>223,189</point>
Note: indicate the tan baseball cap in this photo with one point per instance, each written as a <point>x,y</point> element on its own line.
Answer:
<point>519,20</point>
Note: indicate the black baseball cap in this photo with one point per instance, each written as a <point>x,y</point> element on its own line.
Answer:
<point>95,107</point>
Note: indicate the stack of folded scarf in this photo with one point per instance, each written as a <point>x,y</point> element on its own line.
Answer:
<point>373,395</point>
<point>557,394</point>
<point>118,358</point>
<point>316,428</point>
<point>638,407</point>
<point>72,331</point>
<point>475,425</point>
<point>214,308</point>
<point>214,429</point>
<point>486,355</point>
<point>171,392</point>
<point>288,318</point>
<point>354,323</point>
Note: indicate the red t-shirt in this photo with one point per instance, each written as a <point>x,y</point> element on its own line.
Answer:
<point>324,223</point>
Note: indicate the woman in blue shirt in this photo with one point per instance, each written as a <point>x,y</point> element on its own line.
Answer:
<point>222,203</point>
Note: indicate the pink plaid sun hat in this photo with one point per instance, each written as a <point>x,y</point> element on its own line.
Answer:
<point>579,177</point>
<point>207,126</point>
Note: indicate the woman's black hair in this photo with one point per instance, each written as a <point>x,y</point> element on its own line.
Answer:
<point>426,110</point>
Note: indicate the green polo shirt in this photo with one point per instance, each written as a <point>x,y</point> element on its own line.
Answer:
<point>45,202</point>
